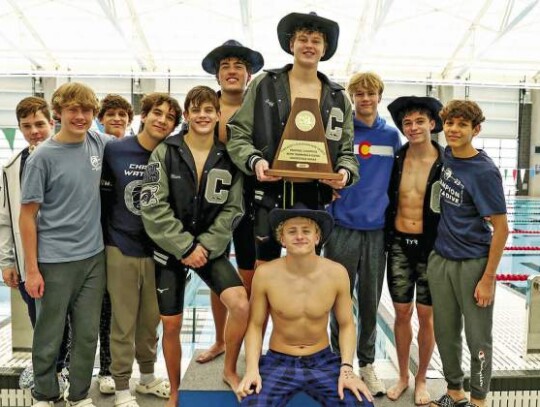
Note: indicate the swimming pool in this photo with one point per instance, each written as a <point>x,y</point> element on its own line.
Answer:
<point>521,257</point>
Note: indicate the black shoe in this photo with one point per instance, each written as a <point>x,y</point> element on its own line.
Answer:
<point>446,401</point>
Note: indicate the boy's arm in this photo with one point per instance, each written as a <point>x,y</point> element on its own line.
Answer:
<point>7,258</point>
<point>485,289</point>
<point>347,340</point>
<point>218,236</point>
<point>107,192</point>
<point>240,132</point>
<point>28,226</point>
<point>344,317</point>
<point>253,340</point>
<point>346,158</point>
<point>157,215</point>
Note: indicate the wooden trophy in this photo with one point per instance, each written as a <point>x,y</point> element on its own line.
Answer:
<point>303,152</point>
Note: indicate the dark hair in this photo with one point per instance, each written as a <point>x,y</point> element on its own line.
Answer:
<point>310,28</point>
<point>112,101</point>
<point>415,109</point>
<point>199,95</point>
<point>466,109</point>
<point>243,61</point>
<point>32,105</point>
<point>157,99</point>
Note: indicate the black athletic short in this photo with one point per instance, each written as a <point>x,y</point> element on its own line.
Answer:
<point>219,274</point>
<point>407,268</point>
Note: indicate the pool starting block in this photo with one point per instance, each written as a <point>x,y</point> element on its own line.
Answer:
<point>202,385</point>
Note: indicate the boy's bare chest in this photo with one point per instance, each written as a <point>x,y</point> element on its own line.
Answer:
<point>200,158</point>
<point>310,90</point>
<point>293,301</point>
<point>415,176</point>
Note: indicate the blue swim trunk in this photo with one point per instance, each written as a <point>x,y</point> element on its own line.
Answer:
<point>283,376</point>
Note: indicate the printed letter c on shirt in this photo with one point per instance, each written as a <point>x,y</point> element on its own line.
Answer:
<point>214,193</point>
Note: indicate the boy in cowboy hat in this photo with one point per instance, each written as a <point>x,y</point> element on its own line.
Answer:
<point>233,64</point>
<point>256,128</point>
<point>411,224</point>
<point>299,290</point>
<point>467,251</point>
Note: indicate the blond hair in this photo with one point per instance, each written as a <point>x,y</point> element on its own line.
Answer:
<point>279,228</point>
<point>367,80</point>
<point>74,93</point>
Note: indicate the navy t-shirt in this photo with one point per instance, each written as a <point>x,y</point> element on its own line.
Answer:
<point>471,189</point>
<point>124,163</point>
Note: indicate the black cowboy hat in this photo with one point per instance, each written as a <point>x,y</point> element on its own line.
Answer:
<point>426,102</point>
<point>322,218</point>
<point>232,48</point>
<point>288,25</point>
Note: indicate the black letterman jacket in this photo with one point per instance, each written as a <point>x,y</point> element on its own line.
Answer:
<point>176,213</point>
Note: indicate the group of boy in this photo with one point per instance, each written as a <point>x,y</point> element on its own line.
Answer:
<point>171,204</point>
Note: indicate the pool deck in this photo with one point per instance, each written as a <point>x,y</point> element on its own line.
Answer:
<point>516,377</point>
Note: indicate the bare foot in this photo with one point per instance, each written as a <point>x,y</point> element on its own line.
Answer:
<point>421,395</point>
<point>172,402</point>
<point>396,390</point>
<point>215,350</point>
<point>232,380</point>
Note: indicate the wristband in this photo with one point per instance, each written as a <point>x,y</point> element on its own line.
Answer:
<point>346,364</point>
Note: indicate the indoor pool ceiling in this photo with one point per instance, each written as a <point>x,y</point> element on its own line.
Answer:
<point>479,41</point>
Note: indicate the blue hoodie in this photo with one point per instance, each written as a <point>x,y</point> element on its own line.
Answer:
<point>362,206</point>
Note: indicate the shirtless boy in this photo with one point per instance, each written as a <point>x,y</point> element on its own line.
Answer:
<point>233,64</point>
<point>298,291</point>
<point>412,219</point>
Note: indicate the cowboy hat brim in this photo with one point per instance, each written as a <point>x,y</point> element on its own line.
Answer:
<point>406,102</point>
<point>210,63</point>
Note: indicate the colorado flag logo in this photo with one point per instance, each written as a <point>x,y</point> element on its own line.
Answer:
<point>365,150</point>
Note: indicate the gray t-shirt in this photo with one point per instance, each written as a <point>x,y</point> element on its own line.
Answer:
<point>64,179</point>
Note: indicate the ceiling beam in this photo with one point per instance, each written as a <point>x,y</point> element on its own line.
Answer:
<point>35,63</point>
<point>36,37</point>
<point>108,7</point>
<point>247,27</point>
<point>140,34</point>
<point>371,20</point>
<point>506,27</point>
<point>466,38</point>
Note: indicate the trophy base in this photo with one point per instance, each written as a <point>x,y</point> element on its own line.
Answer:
<point>299,176</point>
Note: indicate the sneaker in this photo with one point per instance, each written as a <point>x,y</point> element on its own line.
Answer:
<point>26,379</point>
<point>106,384</point>
<point>81,403</point>
<point>374,384</point>
<point>63,383</point>
<point>446,401</point>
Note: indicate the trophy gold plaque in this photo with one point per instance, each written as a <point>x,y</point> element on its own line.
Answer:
<point>303,152</point>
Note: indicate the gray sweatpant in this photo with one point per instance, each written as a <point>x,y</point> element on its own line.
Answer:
<point>75,289</point>
<point>362,253</point>
<point>452,284</point>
